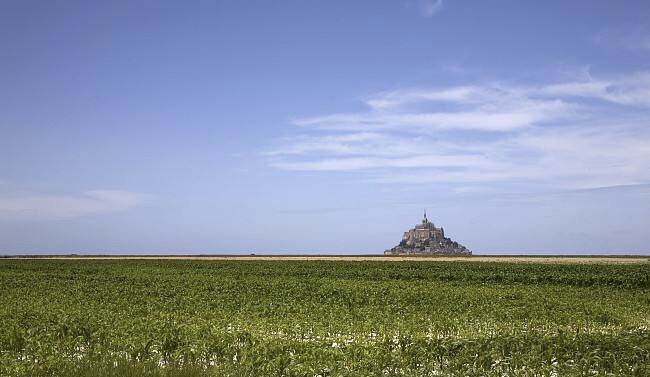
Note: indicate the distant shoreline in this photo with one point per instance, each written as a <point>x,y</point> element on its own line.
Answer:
<point>367,257</point>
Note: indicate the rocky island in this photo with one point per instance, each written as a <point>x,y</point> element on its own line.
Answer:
<point>425,238</point>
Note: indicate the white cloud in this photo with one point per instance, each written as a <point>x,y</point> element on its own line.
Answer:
<point>491,116</point>
<point>344,144</point>
<point>581,133</point>
<point>564,159</point>
<point>627,90</point>
<point>358,163</point>
<point>39,207</point>
<point>429,8</point>
<point>459,94</point>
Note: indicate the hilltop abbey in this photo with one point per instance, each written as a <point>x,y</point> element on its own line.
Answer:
<point>425,238</point>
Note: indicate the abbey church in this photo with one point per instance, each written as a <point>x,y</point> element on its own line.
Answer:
<point>425,238</point>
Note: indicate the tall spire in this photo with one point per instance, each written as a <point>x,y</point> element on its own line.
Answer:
<point>425,216</point>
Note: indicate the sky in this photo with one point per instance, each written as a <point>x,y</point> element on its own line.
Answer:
<point>142,127</point>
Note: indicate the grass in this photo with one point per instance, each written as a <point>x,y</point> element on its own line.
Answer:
<point>306,318</point>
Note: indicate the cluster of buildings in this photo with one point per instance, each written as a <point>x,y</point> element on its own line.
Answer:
<point>426,238</point>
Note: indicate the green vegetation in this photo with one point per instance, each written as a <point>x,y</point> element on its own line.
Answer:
<point>328,318</point>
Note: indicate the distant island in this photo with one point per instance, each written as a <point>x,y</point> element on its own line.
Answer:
<point>426,239</point>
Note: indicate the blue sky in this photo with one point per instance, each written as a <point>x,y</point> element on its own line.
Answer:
<point>323,127</point>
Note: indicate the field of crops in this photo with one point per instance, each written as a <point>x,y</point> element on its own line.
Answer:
<point>327,318</point>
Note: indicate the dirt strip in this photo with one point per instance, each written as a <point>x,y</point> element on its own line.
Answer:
<point>531,259</point>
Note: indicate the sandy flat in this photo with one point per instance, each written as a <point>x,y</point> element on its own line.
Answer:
<point>529,259</point>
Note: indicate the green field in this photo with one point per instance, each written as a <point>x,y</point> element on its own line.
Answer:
<point>327,318</point>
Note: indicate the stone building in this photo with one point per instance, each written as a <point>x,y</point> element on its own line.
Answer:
<point>426,238</point>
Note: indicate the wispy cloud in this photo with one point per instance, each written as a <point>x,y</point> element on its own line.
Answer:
<point>39,207</point>
<point>358,163</point>
<point>587,132</point>
<point>571,157</point>
<point>624,90</point>
<point>459,94</point>
<point>493,114</point>
<point>429,8</point>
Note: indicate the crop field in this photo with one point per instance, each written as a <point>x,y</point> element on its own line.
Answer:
<point>323,318</point>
